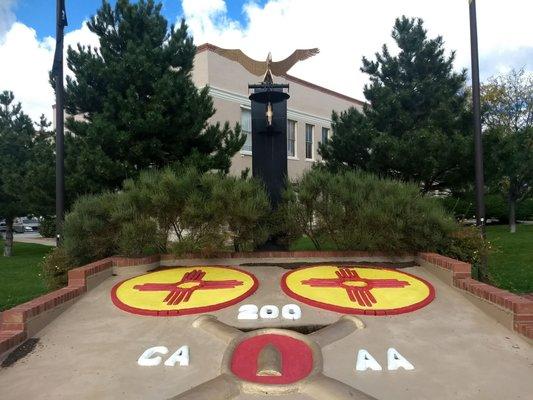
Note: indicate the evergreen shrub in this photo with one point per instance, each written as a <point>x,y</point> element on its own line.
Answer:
<point>466,244</point>
<point>47,227</point>
<point>90,230</point>
<point>359,211</point>
<point>179,210</point>
<point>55,267</point>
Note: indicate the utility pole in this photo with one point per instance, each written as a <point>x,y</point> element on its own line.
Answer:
<point>57,71</point>
<point>478,143</point>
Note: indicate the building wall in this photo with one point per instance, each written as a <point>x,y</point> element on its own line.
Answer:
<point>308,104</point>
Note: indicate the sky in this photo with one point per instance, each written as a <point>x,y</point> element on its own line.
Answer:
<point>344,30</point>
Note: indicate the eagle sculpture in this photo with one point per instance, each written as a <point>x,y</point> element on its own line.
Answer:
<point>268,67</point>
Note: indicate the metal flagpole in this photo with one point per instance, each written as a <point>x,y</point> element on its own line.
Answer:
<point>57,71</point>
<point>478,144</point>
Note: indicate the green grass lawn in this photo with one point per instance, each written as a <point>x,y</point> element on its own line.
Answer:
<point>304,243</point>
<point>511,262</point>
<point>20,275</point>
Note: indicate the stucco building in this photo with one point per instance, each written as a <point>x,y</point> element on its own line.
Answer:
<point>308,114</point>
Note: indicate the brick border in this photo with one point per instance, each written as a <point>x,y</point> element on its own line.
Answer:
<point>519,308</point>
<point>285,254</point>
<point>21,322</point>
<point>135,261</point>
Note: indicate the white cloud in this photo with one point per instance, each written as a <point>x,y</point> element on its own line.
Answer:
<point>209,17</point>
<point>23,69</point>
<point>346,30</point>
<point>26,62</point>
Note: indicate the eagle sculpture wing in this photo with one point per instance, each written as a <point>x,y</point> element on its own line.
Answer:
<point>254,67</point>
<point>281,67</point>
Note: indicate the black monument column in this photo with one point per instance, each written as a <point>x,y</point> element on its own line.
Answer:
<point>269,137</point>
<point>269,141</point>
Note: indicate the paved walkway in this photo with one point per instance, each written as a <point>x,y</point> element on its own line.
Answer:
<point>33,238</point>
<point>91,350</point>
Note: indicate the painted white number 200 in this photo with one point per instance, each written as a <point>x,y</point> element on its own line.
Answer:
<point>251,311</point>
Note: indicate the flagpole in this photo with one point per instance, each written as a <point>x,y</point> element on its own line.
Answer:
<point>478,143</point>
<point>60,139</point>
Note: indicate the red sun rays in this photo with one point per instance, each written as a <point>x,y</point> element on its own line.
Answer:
<point>357,288</point>
<point>189,283</point>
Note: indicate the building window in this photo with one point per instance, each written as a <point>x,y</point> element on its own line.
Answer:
<point>325,135</point>
<point>291,138</point>
<point>246,126</point>
<point>309,141</point>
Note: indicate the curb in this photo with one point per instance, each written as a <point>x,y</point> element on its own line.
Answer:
<point>512,310</point>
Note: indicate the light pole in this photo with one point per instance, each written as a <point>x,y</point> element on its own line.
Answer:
<point>57,71</point>
<point>478,144</point>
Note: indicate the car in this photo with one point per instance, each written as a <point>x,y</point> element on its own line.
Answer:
<point>26,225</point>
<point>3,226</point>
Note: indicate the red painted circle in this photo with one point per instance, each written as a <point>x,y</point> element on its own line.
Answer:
<point>296,359</point>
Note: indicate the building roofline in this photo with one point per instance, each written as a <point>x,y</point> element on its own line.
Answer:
<point>211,47</point>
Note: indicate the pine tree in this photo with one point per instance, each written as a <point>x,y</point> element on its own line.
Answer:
<point>20,147</point>
<point>416,126</point>
<point>39,182</point>
<point>138,105</point>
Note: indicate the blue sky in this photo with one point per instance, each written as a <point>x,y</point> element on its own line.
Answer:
<point>40,14</point>
<point>344,30</point>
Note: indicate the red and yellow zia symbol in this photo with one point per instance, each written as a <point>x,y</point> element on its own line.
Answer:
<point>180,291</point>
<point>355,290</point>
<point>183,290</point>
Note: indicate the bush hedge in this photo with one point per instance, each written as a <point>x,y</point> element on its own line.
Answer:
<point>55,267</point>
<point>163,210</point>
<point>200,212</point>
<point>47,227</point>
<point>90,229</point>
<point>185,211</point>
<point>465,244</point>
<point>359,211</point>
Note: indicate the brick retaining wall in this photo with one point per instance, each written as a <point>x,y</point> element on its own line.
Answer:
<point>25,320</point>
<point>512,310</point>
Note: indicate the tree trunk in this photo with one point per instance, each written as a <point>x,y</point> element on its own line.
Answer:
<point>8,244</point>
<point>316,243</point>
<point>512,214</point>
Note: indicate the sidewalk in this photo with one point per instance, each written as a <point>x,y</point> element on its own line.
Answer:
<point>33,237</point>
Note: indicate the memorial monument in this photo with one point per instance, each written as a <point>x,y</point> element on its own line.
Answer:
<point>269,120</point>
<point>269,116</point>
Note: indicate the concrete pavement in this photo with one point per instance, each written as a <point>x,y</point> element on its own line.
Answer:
<point>91,350</point>
<point>33,237</point>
